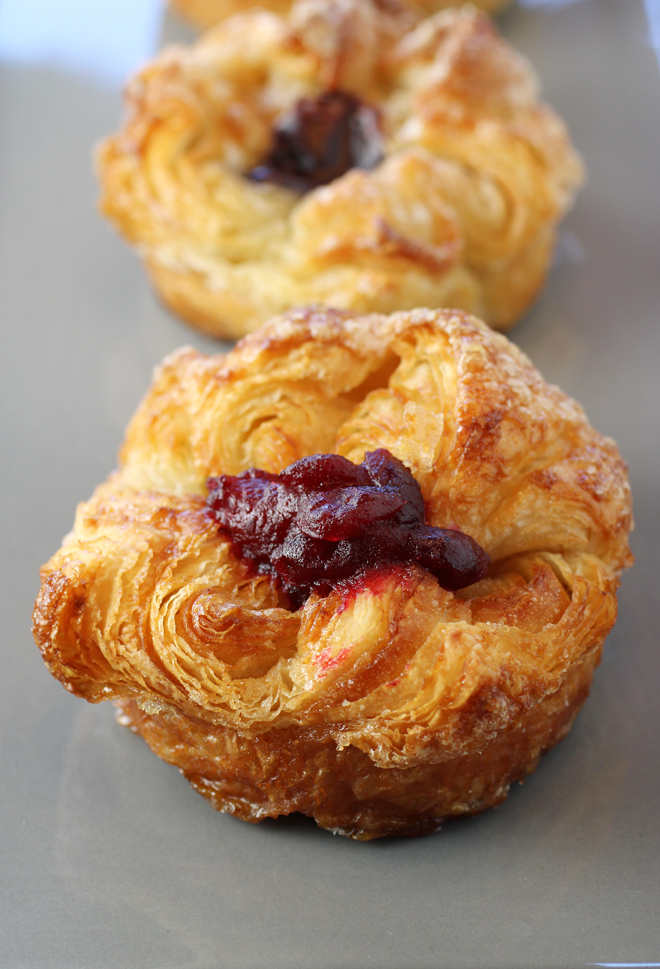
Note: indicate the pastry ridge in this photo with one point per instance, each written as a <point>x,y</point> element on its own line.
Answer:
<point>462,211</point>
<point>390,703</point>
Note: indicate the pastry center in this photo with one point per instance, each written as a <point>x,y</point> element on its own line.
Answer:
<point>324,520</point>
<point>320,140</point>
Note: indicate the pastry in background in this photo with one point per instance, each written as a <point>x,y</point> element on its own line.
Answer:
<point>360,568</point>
<point>333,158</point>
<point>207,13</point>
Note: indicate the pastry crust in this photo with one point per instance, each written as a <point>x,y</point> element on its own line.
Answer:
<point>462,211</point>
<point>389,703</point>
<point>207,13</point>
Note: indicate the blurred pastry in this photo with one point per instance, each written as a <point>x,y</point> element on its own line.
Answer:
<point>337,158</point>
<point>360,568</point>
<point>207,13</point>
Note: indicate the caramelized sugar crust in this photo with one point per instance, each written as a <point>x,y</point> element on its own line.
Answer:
<point>391,703</point>
<point>462,211</point>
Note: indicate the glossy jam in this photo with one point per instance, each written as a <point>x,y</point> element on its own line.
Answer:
<point>324,520</point>
<point>319,141</point>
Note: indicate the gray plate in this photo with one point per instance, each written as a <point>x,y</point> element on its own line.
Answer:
<point>107,857</point>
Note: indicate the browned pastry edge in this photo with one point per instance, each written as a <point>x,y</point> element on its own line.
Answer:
<point>225,314</point>
<point>222,315</point>
<point>287,771</point>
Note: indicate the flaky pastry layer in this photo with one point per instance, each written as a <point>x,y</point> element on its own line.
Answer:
<point>462,210</point>
<point>389,703</point>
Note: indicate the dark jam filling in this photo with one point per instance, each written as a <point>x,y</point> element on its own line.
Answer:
<point>319,141</point>
<point>324,520</point>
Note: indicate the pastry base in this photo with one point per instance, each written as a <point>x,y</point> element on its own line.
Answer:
<point>288,770</point>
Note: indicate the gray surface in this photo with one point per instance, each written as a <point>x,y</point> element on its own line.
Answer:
<point>107,857</point>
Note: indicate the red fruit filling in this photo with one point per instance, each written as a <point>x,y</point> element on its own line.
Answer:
<point>319,141</point>
<point>324,520</point>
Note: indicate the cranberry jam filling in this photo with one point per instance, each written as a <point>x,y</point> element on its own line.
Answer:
<point>324,520</point>
<point>319,141</point>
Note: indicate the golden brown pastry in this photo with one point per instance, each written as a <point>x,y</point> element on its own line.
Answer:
<point>461,210</point>
<point>207,13</point>
<point>385,704</point>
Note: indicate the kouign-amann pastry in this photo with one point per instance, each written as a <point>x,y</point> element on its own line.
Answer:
<point>386,699</point>
<point>206,13</point>
<point>334,158</point>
